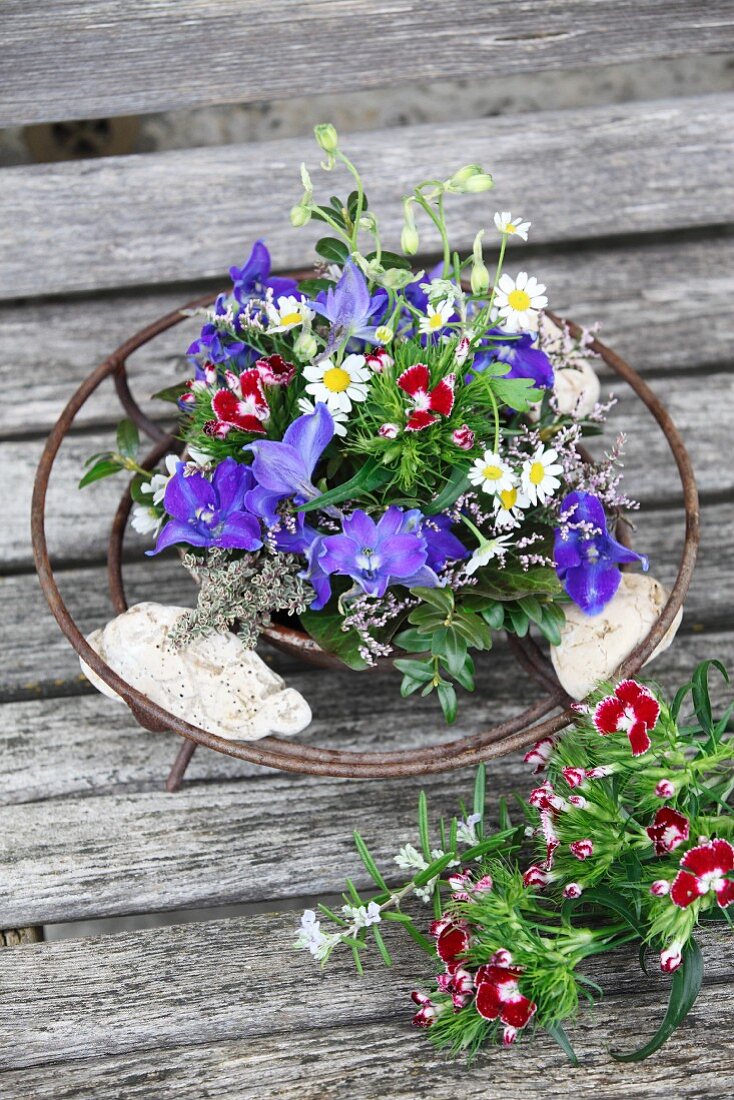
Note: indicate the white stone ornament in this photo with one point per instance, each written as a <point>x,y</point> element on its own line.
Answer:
<point>214,682</point>
<point>593,646</point>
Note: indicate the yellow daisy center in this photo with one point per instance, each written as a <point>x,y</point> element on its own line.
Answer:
<point>518,300</point>
<point>537,473</point>
<point>435,320</point>
<point>291,319</point>
<point>492,473</point>
<point>508,498</point>
<point>510,228</point>
<point>336,379</point>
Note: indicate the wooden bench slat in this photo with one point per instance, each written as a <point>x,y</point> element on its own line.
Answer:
<point>78,522</point>
<point>199,983</point>
<point>71,746</point>
<point>93,59</point>
<point>632,289</point>
<point>95,854</point>
<point>190,214</point>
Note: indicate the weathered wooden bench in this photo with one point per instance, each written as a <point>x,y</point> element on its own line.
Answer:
<point>630,207</point>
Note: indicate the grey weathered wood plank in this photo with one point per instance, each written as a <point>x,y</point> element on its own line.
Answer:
<point>97,854</point>
<point>227,980</point>
<point>60,65</point>
<point>46,664</point>
<point>631,289</point>
<point>78,521</point>
<point>170,216</point>
<point>74,746</point>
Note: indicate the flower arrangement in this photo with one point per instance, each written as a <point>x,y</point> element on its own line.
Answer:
<point>631,839</point>
<point>389,457</point>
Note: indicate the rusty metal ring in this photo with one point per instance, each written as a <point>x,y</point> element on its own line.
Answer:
<point>275,752</point>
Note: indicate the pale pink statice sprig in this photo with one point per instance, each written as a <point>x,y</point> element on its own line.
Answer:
<point>602,478</point>
<point>367,614</point>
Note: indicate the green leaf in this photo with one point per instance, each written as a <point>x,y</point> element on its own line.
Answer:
<point>104,468</point>
<point>412,641</point>
<point>451,647</point>
<point>171,393</point>
<point>511,584</point>
<point>333,250</point>
<point>684,989</point>
<point>391,259</point>
<point>448,701</point>
<point>608,899</point>
<point>480,789</point>
<point>403,918</point>
<point>457,484</point>
<point>466,676</point>
<point>440,598</point>
<point>519,620</point>
<point>518,393</point>
<point>312,287</point>
<point>474,629</point>
<point>427,619</point>
<point>128,439</point>
<point>408,686</point>
<point>532,608</point>
<point>423,826</point>
<point>700,693</point>
<point>494,616</point>
<point>556,1032</point>
<point>417,670</point>
<point>549,628</point>
<point>435,868</point>
<point>370,866</point>
<point>381,945</point>
<point>325,627</point>
<point>369,477</point>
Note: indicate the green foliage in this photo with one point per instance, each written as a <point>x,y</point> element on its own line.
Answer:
<point>122,459</point>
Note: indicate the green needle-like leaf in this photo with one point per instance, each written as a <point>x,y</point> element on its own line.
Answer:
<point>370,865</point>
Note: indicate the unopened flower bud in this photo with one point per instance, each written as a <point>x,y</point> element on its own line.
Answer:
<point>481,182</point>
<point>384,334</point>
<point>409,240</point>
<point>300,215</point>
<point>388,431</point>
<point>305,346</point>
<point>582,849</point>
<point>671,957</point>
<point>463,438</point>
<point>479,277</point>
<point>660,888</point>
<point>665,789</point>
<point>470,178</point>
<point>573,890</point>
<point>327,137</point>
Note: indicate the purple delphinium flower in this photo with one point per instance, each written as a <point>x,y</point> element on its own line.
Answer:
<point>285,468</point>
<point>253,278</point>
<point>587,557</point>
<point>308,541</point>
<point>524,360</point>
<point>376,555</point>
<point>214,345</point>
<point>210,513</point>
<point>350,309</point>
<point>442,545</point>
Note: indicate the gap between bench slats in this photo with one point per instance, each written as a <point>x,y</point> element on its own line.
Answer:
<point>581,173</point>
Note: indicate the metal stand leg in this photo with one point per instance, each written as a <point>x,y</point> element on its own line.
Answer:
<point>180,764</point>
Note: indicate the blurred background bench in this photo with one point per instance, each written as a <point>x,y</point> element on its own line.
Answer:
<point>611,127</point>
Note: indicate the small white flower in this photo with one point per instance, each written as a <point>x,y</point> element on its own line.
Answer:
<point>491,473</point>
<point>437,316</point>
<point>312,938</point>
<point>410,859</point>
<point>361,916</point>
<point>288,313</point>
<point>438,289</point>
<point>509,505</point>
<point>144,520</point>
<point>199,457</point>
<point>466,832</point>
<point>518,300</point>
<point>338,386</point>
<point>158,482</point>
<point>511,226</point>
<point>489,549</point>
<point>340,418</point>
<point>538,477</point>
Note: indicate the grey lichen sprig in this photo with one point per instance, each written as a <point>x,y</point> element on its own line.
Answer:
<point>242,592</point>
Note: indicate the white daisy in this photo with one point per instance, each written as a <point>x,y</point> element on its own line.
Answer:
<point>437,316</point>
<point>487,549</point>
<point>158,482</point>
<point>518,301</point>
<point>288,313</point>
<point>509,505</point>
<point>340,418</point>
<point>338,386</point>
<point>511,226</point>
<point>538,476</point>
<point>491,473</point>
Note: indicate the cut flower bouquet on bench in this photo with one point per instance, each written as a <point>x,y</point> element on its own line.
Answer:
<point>389,459</point>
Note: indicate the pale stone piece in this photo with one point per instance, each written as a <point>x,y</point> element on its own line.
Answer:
<point>214,682</point>
<point>593,646</point>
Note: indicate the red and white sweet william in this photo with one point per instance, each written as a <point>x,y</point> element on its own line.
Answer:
<point>705,869</point>
<point>574,776</point>
<point>427,1010</point>
<point>632,709</point>
<point>536,876</point>
<point>660,888</point>
<point>573,890</point>
<point>428,403</point>
<point>498,996</point>
<point>241,405</point>
<point>378,360</point>
<point>540,754</point>
<point>671,957</point>
<point>669,829</point>
<point>452,941</point>
<point>665,789</point>
<point>582,849</point>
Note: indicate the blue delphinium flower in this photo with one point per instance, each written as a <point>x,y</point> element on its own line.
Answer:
<point>587,557</point>
<point>524,360</point>
<point>210,513</point>
<point>376,555</point>
<point>441,544</point>
<point>253,278</point>
<point>350,308</point>
<point>214,344</point>
<point>285,468</point>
